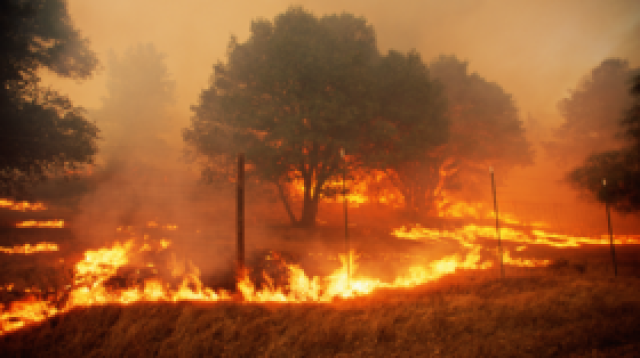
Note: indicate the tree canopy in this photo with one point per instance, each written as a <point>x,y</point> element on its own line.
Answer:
<point>41,130</point>
<point>300,89</point>
<point>620,168</point>
<point>485,130</point>
<point>591,114</point>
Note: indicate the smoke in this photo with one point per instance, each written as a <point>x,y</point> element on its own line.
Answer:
<point>141,180</point>
<point>536,51</point>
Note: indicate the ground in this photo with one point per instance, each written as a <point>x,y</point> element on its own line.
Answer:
<point>573,307</point>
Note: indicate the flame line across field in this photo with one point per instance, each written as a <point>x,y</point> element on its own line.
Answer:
<point>21,205</point>
<point>30,249</point>
<point>51,224</point>
<point>468,234</point>
<point>92,275</point>
<point>98,266</point>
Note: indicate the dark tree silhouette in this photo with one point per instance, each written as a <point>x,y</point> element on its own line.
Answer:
<point>42,132</point>
<point>300,89</point>
<point>620,168</point>
<point>591,114</point>
<point>485,131</point>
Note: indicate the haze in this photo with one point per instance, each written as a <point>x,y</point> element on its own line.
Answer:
<point>536,50</point>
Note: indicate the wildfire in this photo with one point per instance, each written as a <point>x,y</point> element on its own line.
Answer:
<point>122,273</point>
<point>368,188</point>
<point>30,249</point>
<point>460,209</point>
<point>92,275</point>
<point>21,205</point>
<point>467,235</point>
<point>58,224</point>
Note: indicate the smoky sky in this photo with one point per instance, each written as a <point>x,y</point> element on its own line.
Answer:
<point>536,50</point>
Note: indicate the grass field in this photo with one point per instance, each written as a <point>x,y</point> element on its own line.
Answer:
<point>556,311</point>
<point>574,307</point>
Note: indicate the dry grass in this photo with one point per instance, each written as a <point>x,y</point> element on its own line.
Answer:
<point>545,315</point>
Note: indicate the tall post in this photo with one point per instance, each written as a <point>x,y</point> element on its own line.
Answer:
<point>613,249</point>
<point>346,218</point>
<point>240,217</point>
<point>495,208</point>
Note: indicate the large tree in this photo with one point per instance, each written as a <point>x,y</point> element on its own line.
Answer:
<point>591,113</point>
<point>42,132</point>
<point>299,90</point>
<point>413,107</point>
<point>620,168</point>
<point>485,130</point>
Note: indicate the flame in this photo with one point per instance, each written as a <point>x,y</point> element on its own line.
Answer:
<point>30,249</point>
<point>41,224</point>
<point>368,188</point>
<point>20,313</point>
<point>92,274</point>
<point>467,235</point>
<point>460,209</point>
<point>523,262</point>
<point>21,205</point>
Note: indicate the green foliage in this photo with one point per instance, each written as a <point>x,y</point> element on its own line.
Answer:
<point>300,89</point>
<point>41,131</point>
<point>620,168</point>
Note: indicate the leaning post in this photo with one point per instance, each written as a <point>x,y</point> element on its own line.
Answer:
<point>613,248</point>
<point>346,220</point>
<point>240,217</point>
<point>495,208</point>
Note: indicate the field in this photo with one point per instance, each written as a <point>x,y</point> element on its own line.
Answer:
<point>573,306</point>
<point>555,312</point>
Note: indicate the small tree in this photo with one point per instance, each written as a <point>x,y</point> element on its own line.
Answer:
<point>41,130</point>
<point>621,168</point>
<point>591,114</point>
<point>300,89</point>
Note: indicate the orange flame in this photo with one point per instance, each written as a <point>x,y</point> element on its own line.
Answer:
<point>468,234</point>
<point>58,224</point>
<point>30,249</point>
<point>21,205</point>
<point>91,276</point>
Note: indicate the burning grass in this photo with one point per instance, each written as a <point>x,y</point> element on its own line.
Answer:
<point>410,292</point>
<point>546,315</point>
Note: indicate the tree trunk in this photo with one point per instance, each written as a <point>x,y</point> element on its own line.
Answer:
<point>309,212</point>
<point>285,202</point>
<point>309,205</point>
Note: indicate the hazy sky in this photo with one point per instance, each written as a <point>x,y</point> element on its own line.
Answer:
<point>537,50</point>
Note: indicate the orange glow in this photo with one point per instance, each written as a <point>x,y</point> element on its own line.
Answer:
<point>21,205</point>
<point>30,249</point>
<point>367,189</point>
<point>467,235</point>
<point>92,273</point>
<point>41,224</point>
<point>460,209</point>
